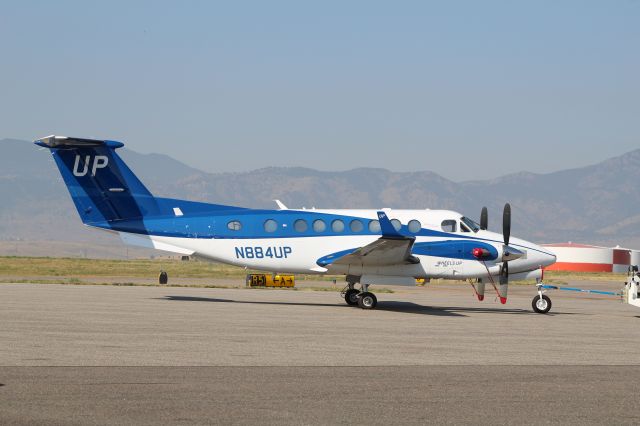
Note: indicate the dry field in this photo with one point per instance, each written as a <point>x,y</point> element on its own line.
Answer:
<point>192,272</point>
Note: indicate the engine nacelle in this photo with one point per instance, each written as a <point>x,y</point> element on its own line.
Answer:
<point>531,275</point>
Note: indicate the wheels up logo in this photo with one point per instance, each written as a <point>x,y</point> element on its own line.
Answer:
<point>99,162</point>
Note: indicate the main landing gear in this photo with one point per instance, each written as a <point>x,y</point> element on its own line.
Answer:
<point>351,296</point>
<point>362,298</point>
<point>367,300</point>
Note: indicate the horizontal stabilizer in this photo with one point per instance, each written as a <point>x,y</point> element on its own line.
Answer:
<point>54,141</point>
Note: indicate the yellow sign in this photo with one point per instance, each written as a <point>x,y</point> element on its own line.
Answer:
<point>265,280</point>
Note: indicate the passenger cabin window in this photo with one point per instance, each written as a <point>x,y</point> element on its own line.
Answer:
<point>374,226</point>
<point>300,225</point>
<point>414,226</point>
<point>234,225</point>
<point>356,226</point>
<point>270,225</point>
<point>396,224</point>
<point>319,225</point>
<point>449,225</point>
<point>337,225</point>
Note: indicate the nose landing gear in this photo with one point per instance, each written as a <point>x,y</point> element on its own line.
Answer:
<point>541,304</point>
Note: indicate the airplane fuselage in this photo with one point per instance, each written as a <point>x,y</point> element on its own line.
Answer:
<point>298,241</point>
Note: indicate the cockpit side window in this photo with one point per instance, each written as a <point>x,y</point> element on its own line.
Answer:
<point>470,224</point>
<point>449,225</point>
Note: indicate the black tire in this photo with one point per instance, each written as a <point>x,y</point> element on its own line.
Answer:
<point>351,297</point>
<point>163,278</point>
<point>367,300</point>
<point>541,306</point>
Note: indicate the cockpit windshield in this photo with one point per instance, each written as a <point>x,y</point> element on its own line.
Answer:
<point>470,223</point>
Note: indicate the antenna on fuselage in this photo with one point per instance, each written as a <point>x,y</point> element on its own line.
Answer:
<point>281,205</point>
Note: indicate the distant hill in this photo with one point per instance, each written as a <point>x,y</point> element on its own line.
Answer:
<point>597,204</point>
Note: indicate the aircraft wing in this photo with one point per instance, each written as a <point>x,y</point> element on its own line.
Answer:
<point>383,251</point>
<point>391,248</point>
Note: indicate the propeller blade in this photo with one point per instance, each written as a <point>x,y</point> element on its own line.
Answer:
<point>506,223</point>
<point>484,219</point>
<point>504,273</point>
<point>504,282</point>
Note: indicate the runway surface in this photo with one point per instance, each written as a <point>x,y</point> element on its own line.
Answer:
<point>113,355</point>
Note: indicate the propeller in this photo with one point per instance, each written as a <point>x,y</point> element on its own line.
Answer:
<point>508,253</point>
<point>484,219</point>
<point>504,272</point>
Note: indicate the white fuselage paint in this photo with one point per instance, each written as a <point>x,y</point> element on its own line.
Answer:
<point>305,251</point>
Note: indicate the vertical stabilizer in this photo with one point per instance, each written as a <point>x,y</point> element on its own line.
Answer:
<point>101,185</point>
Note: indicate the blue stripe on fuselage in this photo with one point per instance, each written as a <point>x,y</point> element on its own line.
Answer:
<point>208,221</point>
<point>213,224</point>
<point>450,249</point>
<point>454,249</point>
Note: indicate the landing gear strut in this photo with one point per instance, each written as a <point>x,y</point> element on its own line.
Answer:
<point>541,303</point>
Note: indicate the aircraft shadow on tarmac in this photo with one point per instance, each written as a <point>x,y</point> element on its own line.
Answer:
<point>390,306</point>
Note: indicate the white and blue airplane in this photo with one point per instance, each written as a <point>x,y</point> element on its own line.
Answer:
<point>385,246</point>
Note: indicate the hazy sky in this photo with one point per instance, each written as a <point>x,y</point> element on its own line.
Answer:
<point>469,89</point>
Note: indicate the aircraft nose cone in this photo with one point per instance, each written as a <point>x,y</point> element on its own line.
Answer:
<point>551,259</point>
<point>540,256</point>
<point>548,258</point>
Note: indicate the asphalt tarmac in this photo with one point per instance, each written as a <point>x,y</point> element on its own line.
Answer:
<point>149,355</point>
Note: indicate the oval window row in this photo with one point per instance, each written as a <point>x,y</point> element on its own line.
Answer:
<point>337,225</point>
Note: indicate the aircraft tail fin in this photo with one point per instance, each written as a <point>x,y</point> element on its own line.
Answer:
<point>101,185</point>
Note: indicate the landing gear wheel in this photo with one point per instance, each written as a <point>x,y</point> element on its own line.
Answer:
<point>367,300</point>
<point>351,297</point>
<point>541,304</point>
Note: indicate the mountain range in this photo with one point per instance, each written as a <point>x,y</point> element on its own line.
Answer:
<point>598,204</point>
